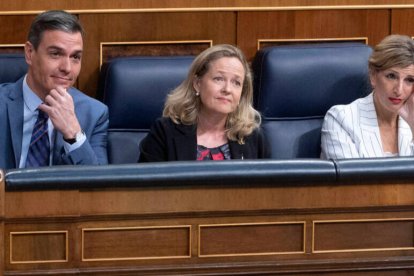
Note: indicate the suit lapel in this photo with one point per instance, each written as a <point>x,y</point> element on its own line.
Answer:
<point>370,133</point>
<point>404,138</point>
<point>185,142</point>
<point>15,115</point>
<point>236,150</point>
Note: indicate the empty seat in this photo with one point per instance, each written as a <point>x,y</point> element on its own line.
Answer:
<point>294,86</point>
<point>134,88</point>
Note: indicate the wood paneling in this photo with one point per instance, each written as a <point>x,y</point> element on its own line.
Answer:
<point>138,27</point>
<point>38,247</point>
<point>243,27</point>
<point>260,230</point>
<point>332,24</point>
<point>135,243</point>
<point>46,243</point>
<point>251,239</point>
<point>12,49</point>
<point>373,235</point>
<point>402,23</point>
<point>38,5</point>
<point>263,43</point>
<point>33,204</point>
<point>111,50</point>
<point>146,202</point>
<point>14,29</point>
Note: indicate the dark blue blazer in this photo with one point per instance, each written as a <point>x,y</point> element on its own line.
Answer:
<point>92,116</point>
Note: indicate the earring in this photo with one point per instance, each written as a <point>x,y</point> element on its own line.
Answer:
<point>197,94</point>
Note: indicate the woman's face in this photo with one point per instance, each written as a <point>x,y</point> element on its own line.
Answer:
<point>392,88</point>
<point>221,87</point>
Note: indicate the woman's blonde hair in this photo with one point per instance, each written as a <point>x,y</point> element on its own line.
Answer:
<point>183,105</point>
<point>392,51</point>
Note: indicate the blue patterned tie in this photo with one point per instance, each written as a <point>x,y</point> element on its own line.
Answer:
<point>39,149</point>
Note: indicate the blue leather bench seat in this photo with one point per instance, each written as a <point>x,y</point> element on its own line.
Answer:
<point>182,173</point>
<point>134,88</point>
<point>12,67</point>
<point>215,174</point>
<point>295,86</point>
<point>375,170</point>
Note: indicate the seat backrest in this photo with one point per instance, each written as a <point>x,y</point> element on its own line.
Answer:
<point>294,86</point>
<point>12,67</point>
<point>134,89</point>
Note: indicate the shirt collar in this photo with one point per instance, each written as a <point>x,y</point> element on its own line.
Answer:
<point>31,100</point>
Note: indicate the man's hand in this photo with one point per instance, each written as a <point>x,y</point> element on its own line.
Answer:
<point>61,110</point>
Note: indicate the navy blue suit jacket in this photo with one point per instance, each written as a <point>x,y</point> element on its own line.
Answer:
<point>92,116</point>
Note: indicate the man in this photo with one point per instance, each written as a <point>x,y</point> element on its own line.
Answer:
<point>43,119</point>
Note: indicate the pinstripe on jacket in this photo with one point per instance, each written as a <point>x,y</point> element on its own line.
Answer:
<point>351,131</point>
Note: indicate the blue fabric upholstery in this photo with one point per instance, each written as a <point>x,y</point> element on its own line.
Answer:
<point>12,67</point>
<point>296,85</point>
<point>134,88</point>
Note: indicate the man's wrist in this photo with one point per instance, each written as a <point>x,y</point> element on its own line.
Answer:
<point>78,136</point>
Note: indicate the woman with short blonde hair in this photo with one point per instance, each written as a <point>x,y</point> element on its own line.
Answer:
<point>382,123</point>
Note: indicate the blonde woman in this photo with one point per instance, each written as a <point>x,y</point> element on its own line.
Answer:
<point>382,123</point>
<point>209,116</point>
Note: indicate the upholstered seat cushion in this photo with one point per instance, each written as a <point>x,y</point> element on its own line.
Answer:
<point>295,85</point>
<point>135,88</point>
<point>12,67</point>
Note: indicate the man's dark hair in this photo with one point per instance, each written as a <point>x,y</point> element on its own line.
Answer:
<point>54,20</point>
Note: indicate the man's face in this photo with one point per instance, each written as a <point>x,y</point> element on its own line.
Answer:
<point>55,63</point>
